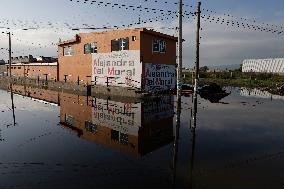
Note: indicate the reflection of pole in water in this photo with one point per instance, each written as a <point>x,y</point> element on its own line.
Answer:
<point>194,112</point>
<point>176,139</point>
<point>193,129</point>
<point>13,107</point>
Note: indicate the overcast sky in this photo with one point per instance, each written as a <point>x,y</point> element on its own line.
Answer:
<point>220,44</point>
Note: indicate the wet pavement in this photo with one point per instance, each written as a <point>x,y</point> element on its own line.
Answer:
<point>51,139</point>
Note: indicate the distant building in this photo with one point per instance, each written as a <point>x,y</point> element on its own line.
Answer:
<point>44,68</point>
<point>31,59</point>
<point>44,59</point>
<point>43,71</point>
<point>23,59</point>
<point>272,65</point>
<point>136,58</point>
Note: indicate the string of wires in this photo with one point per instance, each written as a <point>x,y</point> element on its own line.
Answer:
<point>164,15</point>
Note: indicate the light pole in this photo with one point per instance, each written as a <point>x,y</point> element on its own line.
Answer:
<point>180,40</point>
<point>10,52</point>
<point>10,47</point>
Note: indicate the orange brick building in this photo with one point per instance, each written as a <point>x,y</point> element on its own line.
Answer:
<point>42,71</point>
<point>137,58</point>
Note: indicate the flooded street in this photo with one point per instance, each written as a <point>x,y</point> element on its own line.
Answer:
<point>52,139</point>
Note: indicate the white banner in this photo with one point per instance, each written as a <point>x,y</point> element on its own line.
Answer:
<point>159,77</point>
<point>118,68</point>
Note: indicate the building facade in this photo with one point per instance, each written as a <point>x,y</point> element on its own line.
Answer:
<point>136,58</point>
<point>272,65</point>
<point>43,68</point>
<point>37,70</point>
<point>23,59</point>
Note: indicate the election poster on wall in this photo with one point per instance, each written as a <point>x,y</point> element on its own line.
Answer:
<point>159,77</point>
<point>118,68</point>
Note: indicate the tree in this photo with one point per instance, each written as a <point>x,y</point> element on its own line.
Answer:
<point>203,69</point>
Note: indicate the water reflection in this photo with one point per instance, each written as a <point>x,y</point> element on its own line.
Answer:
<point>176,139</point>
<point>12,104</point>
<point>132,127</point>
<point>213,92</point>
<point>259,94</point>
<point>193,125</point>
<point>211,146</point>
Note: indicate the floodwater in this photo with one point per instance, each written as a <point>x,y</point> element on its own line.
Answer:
<point>59,140</point>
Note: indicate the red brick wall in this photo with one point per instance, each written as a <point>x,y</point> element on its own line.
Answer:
<point>31,71</point>
<point>157,58</point>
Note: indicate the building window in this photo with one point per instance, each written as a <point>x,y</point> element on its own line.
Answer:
<point>69,120</point>
<point>90,48</point>
<point>120,44</point>
<point>156,46</point>
<point>90,127</point>
<point>162,46</point>
<point>133,38</point>
<point>68,51</point>
<point>159,46</point>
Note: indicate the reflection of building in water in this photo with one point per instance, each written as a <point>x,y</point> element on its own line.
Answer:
<point>39,94</point>
<point>259,94</point>
<point>137,128</point>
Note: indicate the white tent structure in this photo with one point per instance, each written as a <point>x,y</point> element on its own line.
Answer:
<point>272,65</point>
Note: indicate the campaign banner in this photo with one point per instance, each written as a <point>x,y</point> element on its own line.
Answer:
<point>118,68</point>
<point>159,77</point>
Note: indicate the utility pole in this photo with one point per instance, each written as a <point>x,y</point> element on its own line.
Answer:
<point>180,40</point>
<point>10,54</point>
<point>197,50</point>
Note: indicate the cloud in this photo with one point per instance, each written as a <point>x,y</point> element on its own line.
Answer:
<point>223,45</point>
<point>220,45</point>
